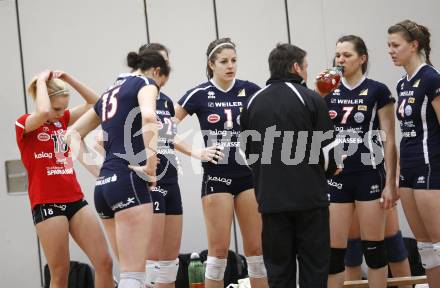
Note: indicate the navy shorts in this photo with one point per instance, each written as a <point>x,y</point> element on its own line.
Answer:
<point>424,177</point>
<point>43,212</point>
<point>166,198</point>
<point>220,184</point>
<point>116,191</point>
<point>357,186</point>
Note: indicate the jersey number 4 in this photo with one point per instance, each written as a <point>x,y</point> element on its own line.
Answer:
<point>109,109</point>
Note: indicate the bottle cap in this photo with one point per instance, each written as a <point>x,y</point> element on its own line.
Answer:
<point>195,255</point>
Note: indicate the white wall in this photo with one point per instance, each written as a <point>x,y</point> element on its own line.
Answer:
<point>90,39</point>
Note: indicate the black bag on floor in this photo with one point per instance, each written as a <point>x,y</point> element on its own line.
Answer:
<point>415,263</point>
<point>80,276</point>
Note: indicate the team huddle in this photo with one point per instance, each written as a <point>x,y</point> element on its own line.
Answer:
<point>137,190</point>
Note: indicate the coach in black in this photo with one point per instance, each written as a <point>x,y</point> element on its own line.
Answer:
<point>288,138</point>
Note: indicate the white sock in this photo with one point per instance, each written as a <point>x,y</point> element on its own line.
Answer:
<point>151,269</point>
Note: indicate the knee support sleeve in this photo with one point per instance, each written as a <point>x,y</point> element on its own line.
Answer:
<point>429,254</point>
<point>336,264</point>
<point>353,255</point>
<point>396,249</point>
<point>215,268</point>
<point>256,268</point>
<point>375,254</point>
<point>151,271</point>
<point>167,271</point>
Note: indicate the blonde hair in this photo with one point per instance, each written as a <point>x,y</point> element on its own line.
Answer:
<point>55,87</point>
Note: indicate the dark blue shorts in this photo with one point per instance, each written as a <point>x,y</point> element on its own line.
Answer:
<point>357,186</point>
<point>43,212</point>
<point>220,184</point>
<point>166,198</point>
<point>116,191</point>
<point>424,177</point>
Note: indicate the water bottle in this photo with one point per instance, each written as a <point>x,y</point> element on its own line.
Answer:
<point>195,272</point>
<point>329,80</point>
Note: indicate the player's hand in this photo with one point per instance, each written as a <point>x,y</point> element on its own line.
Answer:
<point>58,74</point>
<point>146,172</point>
<point>388,197</point>
<point>45,75</point>
<point>212,154</point>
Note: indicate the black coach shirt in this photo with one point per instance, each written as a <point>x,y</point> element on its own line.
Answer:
<point>287,137</point>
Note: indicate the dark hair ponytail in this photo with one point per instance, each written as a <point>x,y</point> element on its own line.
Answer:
<point>147,59</point>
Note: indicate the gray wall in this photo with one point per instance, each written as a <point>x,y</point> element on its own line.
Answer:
<point>90,39</point>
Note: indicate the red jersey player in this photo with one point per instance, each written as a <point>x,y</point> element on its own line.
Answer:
<point>56,198</point>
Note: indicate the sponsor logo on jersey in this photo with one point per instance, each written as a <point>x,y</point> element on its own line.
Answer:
<point>351,101</point>
<point>211,104</point>
<point>411,100</point>
<point>42,155</point>
<point>66,171</point>
<point>333,100</point>
<point>362,107</point>
<point>213,118</point>
<point>211,95</point>
<point>102,181</point>
<point>43,136</point>
<point>374,189</point>
<point>228,104</point>
<point>227,181</point>
<point>242,93</point>
<point>332,183</point>
<point>45,129</point>
<point>337,92</point>
<point>416,84</point>
<point>364,92</point>
<point>332,114</point>
<point>421,180</point>
<point>408,110</point>
<point>57,124</point>
<point>121,205</point>
<point>406,93</point>
<point>359,117</point>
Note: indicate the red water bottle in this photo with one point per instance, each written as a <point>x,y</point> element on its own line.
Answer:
<point>329,80</point>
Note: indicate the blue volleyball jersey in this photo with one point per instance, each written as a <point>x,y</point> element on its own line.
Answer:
<point>167,167</point>
<point>354,114</point>
<point>420,144</point>
<point>218,112</point>
<point>118,109</point>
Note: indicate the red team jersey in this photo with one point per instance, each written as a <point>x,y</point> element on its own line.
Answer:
<point>49,165</point>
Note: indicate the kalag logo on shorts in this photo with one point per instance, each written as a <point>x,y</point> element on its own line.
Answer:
<point>160,190</point>
<point>43,136</point>
<point>227,181</point>
<point>102,181</point>
<point>121,205</point>
<point>213,118</point>
<point>63,207</point>
<point>330,182</point>
<point>374,189</point>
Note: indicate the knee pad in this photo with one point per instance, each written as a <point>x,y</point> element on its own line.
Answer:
<point>215,268</point>
<point>375,253</point>
<point>167,271</point>
<point>336,264</point>
<point>353,255</point>
<point>429,254</point>
<point>256,268</point>
<point>132,279</point>
<point>151,271</point>
<point>396,249</point>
